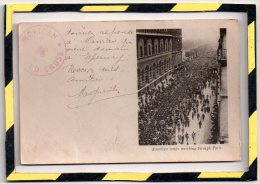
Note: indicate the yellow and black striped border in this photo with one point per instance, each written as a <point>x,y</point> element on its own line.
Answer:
<point>251,174</point>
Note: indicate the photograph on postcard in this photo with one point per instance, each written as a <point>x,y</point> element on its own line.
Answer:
<point>182,86</point>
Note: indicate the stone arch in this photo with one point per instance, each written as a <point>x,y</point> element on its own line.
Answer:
<point>160,68</point>
<point>165,65</point>
<point>150,72</point>
<point>161,45</point>
<point>157,69</point>
<point>140,48</point>
<point>170,45</point>
<point>153,71</point>
<point>146,73</point>
<point>166,45</point>
<point>142,75</point>
<point>149,47</point>
<point>156,46</point>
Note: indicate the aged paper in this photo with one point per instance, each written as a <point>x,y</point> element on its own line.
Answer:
<point>129,92</point>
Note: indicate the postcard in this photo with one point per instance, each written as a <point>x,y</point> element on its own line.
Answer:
<point>129,91</point>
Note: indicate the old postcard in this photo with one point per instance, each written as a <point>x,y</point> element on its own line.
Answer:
<point>129,91</point>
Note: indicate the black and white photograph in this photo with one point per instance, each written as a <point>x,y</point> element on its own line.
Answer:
<point>182,86</point>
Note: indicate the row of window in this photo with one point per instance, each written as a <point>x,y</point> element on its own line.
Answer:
<point>156,69</point>
<point>150,73</point>
<point>149,48</point>
<point>222,54</point>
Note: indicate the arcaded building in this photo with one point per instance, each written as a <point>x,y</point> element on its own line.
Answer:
<point>159,51</point>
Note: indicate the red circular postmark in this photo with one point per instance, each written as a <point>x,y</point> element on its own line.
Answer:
<point>43,49</point>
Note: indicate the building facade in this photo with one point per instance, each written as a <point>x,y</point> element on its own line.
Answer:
<point>159,51</point>
<point>192,54</point>
<point>223,94</point>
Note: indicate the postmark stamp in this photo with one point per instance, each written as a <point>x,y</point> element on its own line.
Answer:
<point>43,49</point>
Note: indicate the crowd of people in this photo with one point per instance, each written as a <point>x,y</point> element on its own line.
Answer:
<point>169,108</point>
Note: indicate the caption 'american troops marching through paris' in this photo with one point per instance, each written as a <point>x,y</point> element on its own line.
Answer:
<point>182,87</point>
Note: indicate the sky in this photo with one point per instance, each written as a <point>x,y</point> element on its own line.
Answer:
<point>200,34</point>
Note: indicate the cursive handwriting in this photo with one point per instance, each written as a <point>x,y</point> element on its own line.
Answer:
<point>89,78</point>
<point>73,69</point>
<point>83,32</point>
<point>115,65</point>
<point>95,56</point>
<point>94,40</point>
<point>93,63</point>
<point>116,32</point>
<point>88,97</point>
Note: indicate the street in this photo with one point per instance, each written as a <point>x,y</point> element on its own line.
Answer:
<point>178,110</point>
